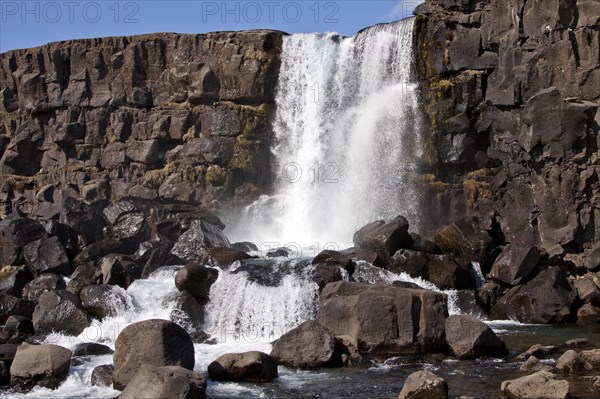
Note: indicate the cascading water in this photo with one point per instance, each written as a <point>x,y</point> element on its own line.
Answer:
<point>346,138</point>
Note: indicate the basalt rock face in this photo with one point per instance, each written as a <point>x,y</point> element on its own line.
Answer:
<point>511,92</point>
<point>180,117</point>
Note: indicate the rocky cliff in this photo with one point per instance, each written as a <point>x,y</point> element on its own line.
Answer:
<point>177,117</point>
<point>511,91</point>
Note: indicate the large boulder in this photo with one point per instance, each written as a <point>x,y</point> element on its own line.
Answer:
<point>47,255</point>
<point>60,311</point>
<point>514,264</point>
<point>16,232</point>
<point>43,283</point>
<point>165,382</point>
<point>470,338</point>
<point>44,365</point>
<point>424,385</point>
<point>248,366</point>
<point>155,342</point>
<point>588,291</point>
<point>542,384</point>
<point>448,273</point>
<point>384,238</point>
<point>310,345</point>
<point>385,319</point>
<point>196,280</point>
<point>193,245</point>
<point>84,275</point>
<point>411,262</point>
<point>329,266</point>
<point>102,301</point>
<point>572,362</point>
<point>548,298</point>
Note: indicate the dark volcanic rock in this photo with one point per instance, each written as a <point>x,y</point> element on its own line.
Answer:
<point>47,255</point>
<point>102,301</point>
<point>44,365</point>
<point>248,366</point>
<point>15,233</point>
<point>91,349</point>
<point>548,298</point>
<point>470,338</point>
<point>12,306</point>
<point>201,235</point>
<point>196,280</point>
<point>60,311</point>
<point>102,375</point>
<point>383,319</point>
<point>154,342</point>
<point>384,238</point>
<point>310,345</point>
<point>446,272</point>
<point>514,264</point>
<point>43,283</point>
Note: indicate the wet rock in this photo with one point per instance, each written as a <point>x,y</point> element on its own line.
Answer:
<point>278,253</point>
<point>165,382</point>
<point>44,365</point>
<point>534,364</point>
<point>187,310</point>
<point>47,255</point>
<point>102,375</point>
<point>12,306</point>
<point>588,315</point>
<point>248,366</point>
<point>588,291</point>
<point>60,311</point>
<point>91,349</point>
<point>329,266</point>
<point>547,298</point>
<point>384,319</point>
<point>384,238</point>
<point>448,273</point>
<point>409,261</point>
<point>97,250</point>
<point>592,357</point>
<point>113,271</point>
<point>358,254</point>
<point>538,350</point>
<point>571,362</point>
<point>83,276</point>
<point>16,232</point>
<point>488,294</point>
<point>465,238</point>
<point>196,280</point>
<point>158,258</point>
<point>43,283</point>
<point>424,384</point>
<point>226,256</point>
<point>14,279</point>
<point>193,245</point>
<point>514,264</point>
<point>542,384</point>
<point>310,345</point>
<point>102,301</point>
<point>470,338</point>
<point>154,342</point>
<point>245,246</point>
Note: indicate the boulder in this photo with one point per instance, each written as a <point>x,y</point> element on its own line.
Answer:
<point>245,246</point>
<point>329,266</point>
<point>588,315</point>
<point>187,311</point>
<point>448,273</point>
<point>385,319</point>
<point>465,238</point>
<point>592,260</point>
<point>470,338</point>
<point>193,245</point>
<point>102,375</point>
<point>226,256</point>
<point>91,349</point>
<point>514,264</point>
<point>196,280</point>
<point>158,258</point>
<point>44,365</point>
<point>408,261</point>
<point>13,279</point>
<point>18,325</point>
<point>534,364</point>
<point>12,306</point>
<point>548,298</point>
<point>84,275</point>
<point>43,283</point>
<point>310,345</point>
<point>98,250</point>
<point>384,238</point>
<point>571,362</point>
<point>588,291</point>
<point>577,343</point>
<point>16,232</point>
<point>8,352</point>
<point>592,357</point>
<point>424,385</point>
<point>113,269</point>
<point>47,255</point>
<point>60,311</point>
<point>488,294</point>
<point>154,342</point>
<point>248,366</point>
<point>165,382</point>
<point>596,383</point>
<point>538,350</point>
<point>102,301</point>
<point>358,254</point>
<point>420,244</point>
<point>542,384</point>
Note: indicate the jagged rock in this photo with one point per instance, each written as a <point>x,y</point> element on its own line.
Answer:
<point>158,258</point>
<point>588,315</point>
<point>43,283</point>
<point>44,365</point>
<point>196,280</point>
<point>328,267</point>
<point>358,254</point>
<point>591,356</point>
<point>470,338</point>
<point>488,294</point>
<point>12,306</point>
<point>383,319</point>
<point>102,375</point>
<point>531,303</point>
<point>60,311</point>
<point>445,273</point>
<point>14,280</point>
<point>514,264</point>
<point>47,255</point>
<point>424,384</point>
<point>15,233</point>
<point>102,301</point>
<point>310,345</point>
<point>84,275</point>
<point>384,238</point>
<point>97,250</point>
<point>193,245</point>
<point>91,349</point>
<point>588,291</point>
<point>571,362</point>
<point>534,364</point>
<point>165,382</point>
<point>542,384</point>
<point>154,342</point>
<point>20,325</point>
<point>248,366</point>
<point>112,268</point>
<point>538,351</point>
<point>592,260</point>
<point>409,261</point>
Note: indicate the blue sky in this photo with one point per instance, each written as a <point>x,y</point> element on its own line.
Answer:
<point>32,23</point>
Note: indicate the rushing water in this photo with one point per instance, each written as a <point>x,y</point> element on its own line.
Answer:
<point>346,138</point>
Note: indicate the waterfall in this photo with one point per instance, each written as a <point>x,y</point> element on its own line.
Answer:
<point>346,140</point>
